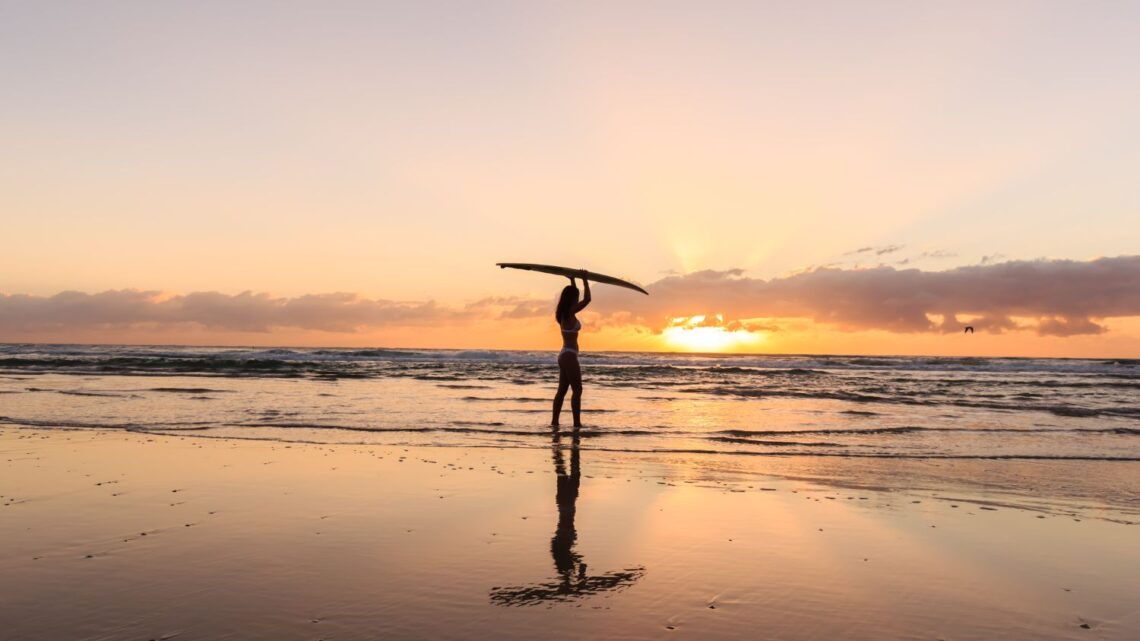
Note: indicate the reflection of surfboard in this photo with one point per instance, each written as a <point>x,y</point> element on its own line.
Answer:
<point>574,273</point>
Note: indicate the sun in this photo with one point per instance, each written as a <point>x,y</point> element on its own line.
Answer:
<point>694,334</point>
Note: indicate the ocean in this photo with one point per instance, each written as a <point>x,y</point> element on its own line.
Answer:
<point>759,405</point>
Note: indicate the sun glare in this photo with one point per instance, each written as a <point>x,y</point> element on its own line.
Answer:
<point>693,335</point>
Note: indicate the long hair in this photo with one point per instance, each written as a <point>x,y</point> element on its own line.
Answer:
<point>566,302</point>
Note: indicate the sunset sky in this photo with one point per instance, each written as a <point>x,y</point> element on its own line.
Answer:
<point>783,177</point>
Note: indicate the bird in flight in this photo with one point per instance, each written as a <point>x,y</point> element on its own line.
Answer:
<point>969,329</point>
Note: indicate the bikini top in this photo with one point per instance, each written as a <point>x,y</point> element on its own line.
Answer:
<point>577,327</point>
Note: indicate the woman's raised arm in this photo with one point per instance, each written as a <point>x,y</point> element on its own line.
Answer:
<point>585,297</point>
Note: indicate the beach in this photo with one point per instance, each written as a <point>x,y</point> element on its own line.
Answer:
<point>119,535</point>
<point>190,493</point>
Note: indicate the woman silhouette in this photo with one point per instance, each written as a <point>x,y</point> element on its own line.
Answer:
<point>569,371</point>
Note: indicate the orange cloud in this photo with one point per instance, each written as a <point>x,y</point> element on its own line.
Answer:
<point>1056,298</point>
<point>245,312</point>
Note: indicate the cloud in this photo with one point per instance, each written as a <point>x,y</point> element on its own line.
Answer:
<point>701,320</point>
<point>1066,326</point>
<point>878,251</point>
<point>940,253</point>
<point>514,307</point>
<point>245,312</point>
<point>1050,297</point>
<point>1060,297</point>
<point>935,254</point>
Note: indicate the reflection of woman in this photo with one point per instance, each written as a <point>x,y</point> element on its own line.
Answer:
<point>565,536</point>
<point>569,371</point>
<point>572,581</point>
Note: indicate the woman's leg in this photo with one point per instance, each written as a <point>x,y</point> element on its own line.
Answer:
<point>575,376</point>
<point>563,385</point>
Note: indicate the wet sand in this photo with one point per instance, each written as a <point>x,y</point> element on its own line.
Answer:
<point>120,535</point>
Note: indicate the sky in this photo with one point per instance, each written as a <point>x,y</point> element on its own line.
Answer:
<point>782,176</point>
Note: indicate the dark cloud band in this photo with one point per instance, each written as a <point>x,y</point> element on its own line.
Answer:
<point>1062,297</point>
<point>246,312</point>
<point>1051,297</point>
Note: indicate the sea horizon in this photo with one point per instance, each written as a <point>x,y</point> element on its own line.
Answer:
<point>553,349</point>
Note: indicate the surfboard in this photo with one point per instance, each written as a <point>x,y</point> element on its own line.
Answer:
<point>570,272</point>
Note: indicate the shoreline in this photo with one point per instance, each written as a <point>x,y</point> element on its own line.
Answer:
<point>1105,488</point>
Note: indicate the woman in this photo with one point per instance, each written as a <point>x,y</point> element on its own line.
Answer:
<point>569,372</point>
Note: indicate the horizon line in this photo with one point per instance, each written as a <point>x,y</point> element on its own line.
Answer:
<point>553,350</point>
